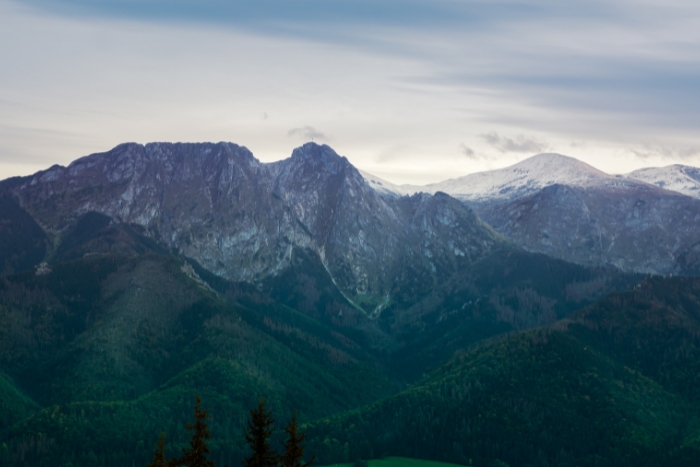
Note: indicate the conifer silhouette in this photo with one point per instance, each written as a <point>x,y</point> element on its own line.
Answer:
<point>196,454</point>
<point>159,456</point>
<point>294,446</point>
<point>257,435</point>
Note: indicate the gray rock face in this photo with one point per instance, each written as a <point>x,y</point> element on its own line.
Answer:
<point>242,219</point>
<point>210,201</point>
<point>562,207</point>
<point>637,228</point>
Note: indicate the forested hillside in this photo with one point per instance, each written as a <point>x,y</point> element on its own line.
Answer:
<point>614,384</point>
<point>110,351</point>
<point>135,279</point>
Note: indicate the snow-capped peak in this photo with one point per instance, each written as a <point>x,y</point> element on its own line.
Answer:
<point>517,180</point>
<point>680,178</point>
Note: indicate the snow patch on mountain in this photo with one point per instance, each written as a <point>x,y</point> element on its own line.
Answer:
<point>385,187</point>
<point>681,178</point>
<point>518,180</point>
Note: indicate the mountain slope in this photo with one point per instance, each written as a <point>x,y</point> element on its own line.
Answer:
<point>613,384</point>
<point>177,268</point>
<point>680,178</point>
<point>525,178</point>
<point>23,243</point>
<point>241,219</point>
<point>641,229</point>
<point>104,342</point>
<point>14,404</point>
<point>562,207</point>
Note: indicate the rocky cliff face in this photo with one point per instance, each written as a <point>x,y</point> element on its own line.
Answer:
<point>636,228</point>
<point>562,207</point>
<point>242,219</point>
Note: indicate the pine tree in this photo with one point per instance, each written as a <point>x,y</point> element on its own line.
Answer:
<point>159,456</point>
<point>257,435</point>
<point>294,446</point>
<point>196,455</point>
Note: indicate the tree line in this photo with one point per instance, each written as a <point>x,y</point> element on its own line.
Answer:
<point>257,434</point>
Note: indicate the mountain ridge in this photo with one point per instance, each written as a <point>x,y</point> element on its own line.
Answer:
<point>240,218</point>
<point>175,268</point>
<point>681,178</point>
<point>562,207</point>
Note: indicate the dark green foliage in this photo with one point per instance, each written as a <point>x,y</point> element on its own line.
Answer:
<point>307,287</point>
<point>159,455</point>
<point>541,397</point>
<point>196,454</point>
<point>116,346</point>
<point>257,436</point>
<point>88,226</point>
<point>23,243</point>
<point>614,384</point>
<point>113,349</point>
<point>507,291</point>
<point>96,233</point>
<point>654,328</point>
<point>293,455</point>
<point>14,405</point>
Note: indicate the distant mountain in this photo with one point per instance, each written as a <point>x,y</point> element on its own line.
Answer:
<point>562,207</point>
<point>241,219</point>
<point>516,181</point>
<point>135,278</point>
<point>100,354</point>
<point>309,232</point>
<point>613,384</point>
<point>680,178</point>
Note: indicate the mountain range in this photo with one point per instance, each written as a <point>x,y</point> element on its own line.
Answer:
<point>132,279</point>
<point>642,222</point>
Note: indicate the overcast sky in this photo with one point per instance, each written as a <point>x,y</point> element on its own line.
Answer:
<point>414,91</point>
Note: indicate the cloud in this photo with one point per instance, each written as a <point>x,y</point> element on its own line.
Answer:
<point>467,151</point>
<point>307,132</point>
<point>266,13</point>
<point>359,69</point>
<point>663,152</point>
<point>518,144</point>
<point>470,154</point>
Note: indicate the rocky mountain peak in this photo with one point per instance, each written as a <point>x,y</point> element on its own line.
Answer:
<point>244,220</point>
<point>317,166</point>
<point>319,157</point>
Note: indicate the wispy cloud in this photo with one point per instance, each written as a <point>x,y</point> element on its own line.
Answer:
<point>475,156</point>
<point>648,152</point>
<point>467,151</point>
<point>520,143</point>
<point>270,13</point>
<point>307,132</point>
<point>507,68</point>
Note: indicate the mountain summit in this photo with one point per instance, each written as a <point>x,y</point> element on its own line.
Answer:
<point>681,178</point>
<point>521,179</point>
<point>557,205</point>
<point>244,220</point>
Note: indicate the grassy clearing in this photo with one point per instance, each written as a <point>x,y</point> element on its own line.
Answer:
<point>400,462</point>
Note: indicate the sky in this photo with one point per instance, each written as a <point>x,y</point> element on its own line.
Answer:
<point>413,91</point>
